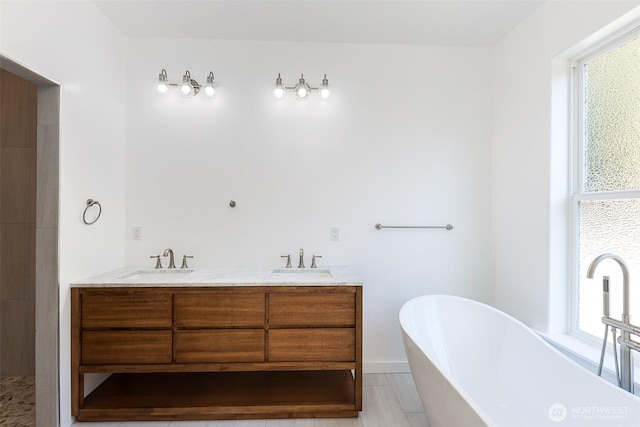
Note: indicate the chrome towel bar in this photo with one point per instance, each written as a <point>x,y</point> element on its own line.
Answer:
<point>446,227</point>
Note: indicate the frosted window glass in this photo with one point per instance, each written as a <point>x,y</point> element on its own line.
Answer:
<point>612,119</point>
<point>608,226</point>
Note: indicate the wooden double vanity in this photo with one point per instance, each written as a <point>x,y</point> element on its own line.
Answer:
<point>217,344</point>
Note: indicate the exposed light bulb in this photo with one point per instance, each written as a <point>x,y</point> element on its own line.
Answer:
<point>210,86</point>
<point>163,83</point>
<point>162,87</point>
<point>279,90</point>
<point>324,88</point>
<point>302,89</point>
<point>302,92</point>
<point>186,88</point>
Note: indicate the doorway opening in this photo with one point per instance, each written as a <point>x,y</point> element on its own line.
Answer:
<point>29,285</point>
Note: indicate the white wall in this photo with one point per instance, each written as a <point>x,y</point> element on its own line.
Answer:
<point>530,155</point>
<point>73,44</point>
<point>404,139</point>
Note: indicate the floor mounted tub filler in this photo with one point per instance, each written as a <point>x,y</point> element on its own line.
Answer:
<point>476,366</point>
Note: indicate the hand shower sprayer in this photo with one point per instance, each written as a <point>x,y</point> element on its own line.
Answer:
<point>605,310</point>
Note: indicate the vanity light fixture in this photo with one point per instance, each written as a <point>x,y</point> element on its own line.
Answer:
<point>188,87</point>
<point>302,89</point>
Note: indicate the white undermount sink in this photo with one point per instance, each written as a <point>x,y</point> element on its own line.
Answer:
<point>301,273</point>
<point>155,275</point>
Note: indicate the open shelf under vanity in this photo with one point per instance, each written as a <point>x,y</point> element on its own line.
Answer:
<point>224,395</point>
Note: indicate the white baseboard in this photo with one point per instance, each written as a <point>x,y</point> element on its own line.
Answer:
<point>385,367</point>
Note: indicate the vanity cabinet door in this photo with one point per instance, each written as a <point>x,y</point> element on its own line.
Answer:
<point>220,309</point>
<point>312,345</point>
<point>312,309</point>
<point>312,326</point>
<point>126,309</point>
<point>125,347</point>
<point>219,326</point>
<point>219,345</point>
<point>126,327</point>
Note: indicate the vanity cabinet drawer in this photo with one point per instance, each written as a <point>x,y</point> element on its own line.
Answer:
<point>312,309</point>
<point>220,309</point>
<point>126,310</point>
<point>220,345</point>
<point>126,347</point>
<point>312,345</point>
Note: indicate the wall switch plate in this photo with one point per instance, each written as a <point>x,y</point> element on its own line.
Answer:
<point>136,232</point>
<point>334,234</point>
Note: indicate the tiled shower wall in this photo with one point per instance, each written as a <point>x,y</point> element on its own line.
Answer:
<point>18,150</point>
<point>47,288</point>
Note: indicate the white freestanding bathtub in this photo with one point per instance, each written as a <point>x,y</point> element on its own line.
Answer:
<point>476,366</point>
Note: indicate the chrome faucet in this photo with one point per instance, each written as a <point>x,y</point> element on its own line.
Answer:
<point>301,263</point>
<point>626,343</point>
<point>169,252</point>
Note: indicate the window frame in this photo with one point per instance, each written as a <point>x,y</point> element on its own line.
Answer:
<point>577,171</point>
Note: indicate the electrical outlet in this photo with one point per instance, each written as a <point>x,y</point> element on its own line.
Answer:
<point>136,232</point>
<point>334,234</point>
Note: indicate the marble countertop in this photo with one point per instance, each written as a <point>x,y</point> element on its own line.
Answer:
<point>242,276</point>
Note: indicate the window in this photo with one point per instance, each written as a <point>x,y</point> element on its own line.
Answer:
<point>606,197</point>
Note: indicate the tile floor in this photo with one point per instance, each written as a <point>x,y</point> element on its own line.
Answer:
<point>389,400</point>
<point>17,401</point>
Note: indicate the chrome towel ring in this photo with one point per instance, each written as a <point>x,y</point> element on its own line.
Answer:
<point>90,203</point>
